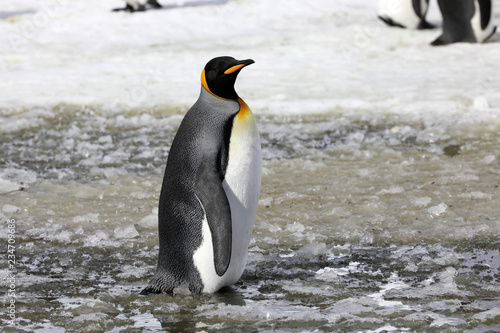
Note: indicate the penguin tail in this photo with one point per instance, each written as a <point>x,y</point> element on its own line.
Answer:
<point>493,31</point>
<point>390,22</point>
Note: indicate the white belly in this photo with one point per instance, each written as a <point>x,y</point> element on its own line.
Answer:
<point>242,187</point>
<point>400,11</point>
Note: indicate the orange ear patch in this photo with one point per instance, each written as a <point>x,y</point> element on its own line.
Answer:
<point>204,81</point>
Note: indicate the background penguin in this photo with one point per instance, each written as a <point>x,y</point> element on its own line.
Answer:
<point>210,190</point>
<point>465,21</point>
<point>138,5</point>
<point>404,13</point>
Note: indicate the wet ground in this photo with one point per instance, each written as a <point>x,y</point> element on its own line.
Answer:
<point>359,228</point>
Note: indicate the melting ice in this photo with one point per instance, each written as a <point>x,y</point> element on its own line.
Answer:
<point>379,208</point>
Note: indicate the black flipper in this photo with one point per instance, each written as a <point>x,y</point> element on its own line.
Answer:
<point>210,192</point>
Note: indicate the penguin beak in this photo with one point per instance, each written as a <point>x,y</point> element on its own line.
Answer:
<point>238,66</point>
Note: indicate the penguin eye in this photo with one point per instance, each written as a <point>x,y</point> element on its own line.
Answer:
<point>215,70</point>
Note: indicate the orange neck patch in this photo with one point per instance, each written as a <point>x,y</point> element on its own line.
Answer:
<point>244,109</point>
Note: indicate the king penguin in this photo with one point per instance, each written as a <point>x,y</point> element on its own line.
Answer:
<point>138,5</point>
<point>210,189</point>
<point>404,13</point>
<point>465,21</point>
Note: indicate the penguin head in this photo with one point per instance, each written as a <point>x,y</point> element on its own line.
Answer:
<point>220,74</point>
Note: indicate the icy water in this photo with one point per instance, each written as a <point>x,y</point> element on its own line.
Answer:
<point>380,201</point>
<point>358,229</point>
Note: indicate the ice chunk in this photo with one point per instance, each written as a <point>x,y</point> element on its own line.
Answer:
<point>96,306</point>
<point>266,201</point>
<point>411,267</point>
<point>440,321</point>
<point>19,176</point>
<point>107,139</point>
<point>438,210</point>
<point>129,271</point>
<point>295,227</point>
<point>11,209</point>
<point>150,221</point>
<point>422,201</point>
<point>492,315</point>
<point>125,232</point>
<point>476,195</point>
<point>8,186</point>
<point>351,306</point>
<point>312,250</point>
<point>487,160</point>
<point>327,274</point>
<point>481,104</point>
<point>355,138</point>
<point>392,190</point>
<point>63,236</point>
<point>96,239</point>
<point>447,259</point>
<point>446,284</point>
<point>90,217</point>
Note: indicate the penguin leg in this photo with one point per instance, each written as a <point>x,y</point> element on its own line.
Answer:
<point>141,8</point>
<point>421,10</point>
<point>456,22</point>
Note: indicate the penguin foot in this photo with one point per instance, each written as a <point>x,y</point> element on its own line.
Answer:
<point>149,290</point>
<point>446,39</point>
<point>161,282</point>
<point>440,41</point>
<point>196,289</point>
